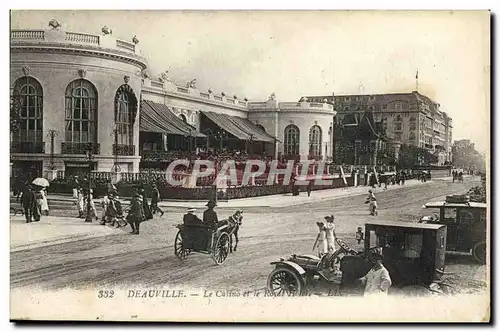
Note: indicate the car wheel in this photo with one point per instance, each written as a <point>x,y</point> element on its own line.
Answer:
<point>284,282</point>
<point>479,252</point>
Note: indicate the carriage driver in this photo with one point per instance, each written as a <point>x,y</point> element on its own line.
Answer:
<point>210,220</point>
<point>210,216</point>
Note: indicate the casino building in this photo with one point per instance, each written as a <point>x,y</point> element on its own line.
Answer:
<point>69,89</point>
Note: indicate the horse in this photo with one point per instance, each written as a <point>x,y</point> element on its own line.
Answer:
<point>234,222</point>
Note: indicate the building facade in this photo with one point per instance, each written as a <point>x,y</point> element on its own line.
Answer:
<point>410,118</point>
<point>70,89</point>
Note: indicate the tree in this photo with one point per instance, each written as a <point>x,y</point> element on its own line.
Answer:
<point>410,155</point>
<point>468,157</point>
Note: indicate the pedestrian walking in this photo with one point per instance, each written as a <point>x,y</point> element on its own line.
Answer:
<point>372,201</point>
<point>89,201</point>
<point>145,207</point>
<point>309,188</point>
<point>104,207</point>
<point>155,198</point>
<point>44,204</point>
<point>28,202</point>
<point>330,234</point>
<point>320,242</point>
<point>136,213</point>
<point>80,201</point>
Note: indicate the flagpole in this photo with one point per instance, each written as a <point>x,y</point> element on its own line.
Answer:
<point>416,81</point>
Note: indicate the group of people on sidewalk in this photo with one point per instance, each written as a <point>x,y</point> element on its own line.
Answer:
<point>33,199</point>
<point>139,210</point>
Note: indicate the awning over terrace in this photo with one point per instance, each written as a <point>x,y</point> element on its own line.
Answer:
<point>159,118</point>
<point>241,128</point>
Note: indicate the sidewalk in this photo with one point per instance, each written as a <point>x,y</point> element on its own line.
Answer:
<point>53,230</point>
<point>285,200</point>
<point>282,200</point>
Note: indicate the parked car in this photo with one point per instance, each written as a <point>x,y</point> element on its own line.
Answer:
<point>466,223</point>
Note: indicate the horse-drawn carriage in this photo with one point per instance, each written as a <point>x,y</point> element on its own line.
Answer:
<point>413,253</point>
<point>215,241</point>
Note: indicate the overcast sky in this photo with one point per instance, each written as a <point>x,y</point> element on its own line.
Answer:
<point>253,54</point>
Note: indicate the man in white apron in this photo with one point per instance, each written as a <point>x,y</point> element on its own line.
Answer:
<point>377,281</point>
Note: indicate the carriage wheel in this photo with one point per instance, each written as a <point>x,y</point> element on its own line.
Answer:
<point>179,249</point>
<point>284,282</point>
<point>221,249</point>
<point>479,252</point>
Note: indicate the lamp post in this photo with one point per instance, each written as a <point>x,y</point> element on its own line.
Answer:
<point>90,156</point>
<point>116,167</point>
<point>52,134</point>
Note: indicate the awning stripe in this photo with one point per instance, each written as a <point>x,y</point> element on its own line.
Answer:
<point>252,129</point>
<point>160,119</point>
<point>223,122</point>
<point>241,128</point>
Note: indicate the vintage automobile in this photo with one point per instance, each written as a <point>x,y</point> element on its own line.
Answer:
<point>413,253</point>
<point>466,223</point>
<point>202,239</point>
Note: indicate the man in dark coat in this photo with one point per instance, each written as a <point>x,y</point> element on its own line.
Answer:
<point>210,216</point>
<point>210,220</point>
<point>136,213</point>
<point>155,198</point>
<point>147,212</point>
<point>28,201</point>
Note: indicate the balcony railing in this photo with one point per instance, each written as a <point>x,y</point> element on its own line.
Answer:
<point>79,148</point>
<point>82,38</point>
<point>27,147</point>
<point>123,150</point>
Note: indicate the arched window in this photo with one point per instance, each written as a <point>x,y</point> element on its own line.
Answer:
<point>125,111</point>
<point>81,112</point>
<point>183,117</point>
<point>292,140</point>
<point>261,127</point>
<point>315,141</point>
<point>27,103</point>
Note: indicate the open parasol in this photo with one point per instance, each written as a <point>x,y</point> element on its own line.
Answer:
<point>41,182</point>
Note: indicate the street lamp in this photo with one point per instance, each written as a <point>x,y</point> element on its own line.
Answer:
<point>89,153</point>
<point>52,134</point>
<point>116,151</point>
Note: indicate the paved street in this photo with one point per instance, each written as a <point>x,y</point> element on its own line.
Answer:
<point>121,259</point>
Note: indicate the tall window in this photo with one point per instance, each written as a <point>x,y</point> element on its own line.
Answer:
<point>125,111</point>
<point>292,140</point>
<point>81,112</point>
<point>315,141</point>
<point>27,102</point>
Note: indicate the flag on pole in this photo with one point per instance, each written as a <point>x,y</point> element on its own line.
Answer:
<point>416,76</point>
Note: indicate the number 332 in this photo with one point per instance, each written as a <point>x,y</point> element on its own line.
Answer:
<point>106,294</point>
